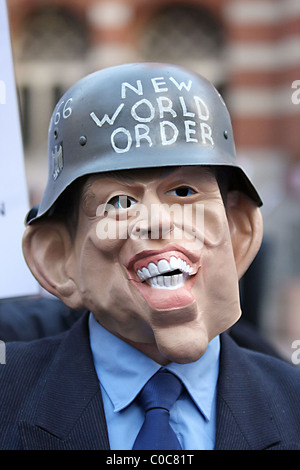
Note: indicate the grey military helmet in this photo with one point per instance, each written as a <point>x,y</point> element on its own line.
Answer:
<point>139,115</point>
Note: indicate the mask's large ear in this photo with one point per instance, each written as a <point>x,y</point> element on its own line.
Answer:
<point>48,251</point>
<point>246,229</point>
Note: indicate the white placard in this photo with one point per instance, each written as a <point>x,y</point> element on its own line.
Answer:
<point>15,277</point>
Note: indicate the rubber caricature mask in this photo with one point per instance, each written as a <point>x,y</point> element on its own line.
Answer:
<point>156,255</point>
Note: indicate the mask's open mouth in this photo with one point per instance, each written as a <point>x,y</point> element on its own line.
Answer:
<point>165,277</point>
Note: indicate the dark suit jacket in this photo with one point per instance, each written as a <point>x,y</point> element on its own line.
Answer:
<point>50,397</point>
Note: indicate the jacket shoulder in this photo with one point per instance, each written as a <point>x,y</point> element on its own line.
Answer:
<point>22,377</point>
<point>26,363</point>
<point>261,364</point>
<point>263,388</point>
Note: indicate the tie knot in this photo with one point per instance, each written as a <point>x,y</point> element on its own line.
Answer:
<point>161,391</point>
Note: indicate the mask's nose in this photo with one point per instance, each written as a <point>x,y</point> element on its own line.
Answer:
<point>155,220</point>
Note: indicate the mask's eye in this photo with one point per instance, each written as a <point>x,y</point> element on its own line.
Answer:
<point>122,202</point>
<point>181,191</point>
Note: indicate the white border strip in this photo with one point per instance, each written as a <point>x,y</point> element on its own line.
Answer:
<point>262,102</point>
<point>261,12</point>
<point>265,56</point>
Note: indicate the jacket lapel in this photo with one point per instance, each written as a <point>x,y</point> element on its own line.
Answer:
<point>244,419</point>
<point>69,413</point>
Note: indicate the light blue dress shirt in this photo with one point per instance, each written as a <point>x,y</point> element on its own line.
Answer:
<point>123,371</point>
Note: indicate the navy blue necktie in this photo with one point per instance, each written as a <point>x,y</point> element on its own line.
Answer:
<point>157,397</point>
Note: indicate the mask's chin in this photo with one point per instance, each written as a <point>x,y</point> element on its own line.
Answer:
<point>184,340</point>
<point>177,335</point>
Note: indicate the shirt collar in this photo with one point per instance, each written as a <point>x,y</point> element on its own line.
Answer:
<point>118,363</point>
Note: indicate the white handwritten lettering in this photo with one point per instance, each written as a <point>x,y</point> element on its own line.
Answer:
<point>186,113</point>
<point>122,141</point>
<point>66,113</point>
<point>206,133</point>
<point>138,89</point>
<point>145,135</point>
<point>156,84</point>
<point>203,112</point>
<point>127,135</point>
<point>163,133</point>
<point>189,131</point>
<point>106,118</point>
<point>194,129</point>
<point>140,118</point>
<point>182,85</point>
<point>167,108</point>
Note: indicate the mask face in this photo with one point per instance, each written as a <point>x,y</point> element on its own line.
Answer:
<point>154,259</point>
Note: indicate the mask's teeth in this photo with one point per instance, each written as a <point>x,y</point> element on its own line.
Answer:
<point>177,280</point>
<point>145,273</point>
<point>167,282</point>
<point>174,263</point>
<point>153,269</point>
<point>163,266</point>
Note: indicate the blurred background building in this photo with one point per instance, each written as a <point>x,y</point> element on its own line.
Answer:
<point>250,50</point>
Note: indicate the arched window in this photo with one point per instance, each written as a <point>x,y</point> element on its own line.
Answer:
<point>53,34</point>
<point>186,34</point>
